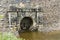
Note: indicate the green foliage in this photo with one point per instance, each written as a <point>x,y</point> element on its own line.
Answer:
<point>9,36</point>
<point>1,16</point>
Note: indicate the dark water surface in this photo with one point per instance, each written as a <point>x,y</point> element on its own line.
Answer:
<point>39,36</point>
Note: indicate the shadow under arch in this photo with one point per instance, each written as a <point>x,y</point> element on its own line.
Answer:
<point>26,23</point>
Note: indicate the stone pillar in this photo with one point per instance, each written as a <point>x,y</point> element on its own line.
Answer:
<point>9,14</point>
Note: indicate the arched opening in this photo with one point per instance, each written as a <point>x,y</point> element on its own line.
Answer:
<point>26,23</point>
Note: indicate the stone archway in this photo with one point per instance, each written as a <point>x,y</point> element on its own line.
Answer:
<point>26,23</point>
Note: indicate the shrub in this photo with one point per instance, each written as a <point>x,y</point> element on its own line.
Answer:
<point>8,36</point>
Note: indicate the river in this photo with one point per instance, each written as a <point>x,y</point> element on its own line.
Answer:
<point>40,36</point>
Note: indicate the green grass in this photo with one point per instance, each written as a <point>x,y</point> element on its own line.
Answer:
<point>9,36</point>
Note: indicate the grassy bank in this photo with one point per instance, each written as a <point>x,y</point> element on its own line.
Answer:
<point>9,36</point>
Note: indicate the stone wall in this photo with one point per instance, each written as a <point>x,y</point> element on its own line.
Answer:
<point>49,17</point>
<point>50,14</point>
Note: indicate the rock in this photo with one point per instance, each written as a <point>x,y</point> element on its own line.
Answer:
<point>34,28</point>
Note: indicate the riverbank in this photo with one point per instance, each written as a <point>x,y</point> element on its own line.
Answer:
<point>54,32</point>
